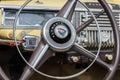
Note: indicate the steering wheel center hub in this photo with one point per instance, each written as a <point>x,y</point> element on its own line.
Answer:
<point>59,33</point>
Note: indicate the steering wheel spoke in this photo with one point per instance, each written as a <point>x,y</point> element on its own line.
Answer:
<point>3,75</point>
<point>90,55</point>
<point>39,57</point>
<point>83,51</point>
<point>109,67</point>
<point>68,9</point>
<point>89,21</point>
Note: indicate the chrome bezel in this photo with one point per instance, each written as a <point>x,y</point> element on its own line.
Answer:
<point>26,46</point>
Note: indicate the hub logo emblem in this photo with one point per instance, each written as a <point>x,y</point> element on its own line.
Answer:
<point>61,31</point>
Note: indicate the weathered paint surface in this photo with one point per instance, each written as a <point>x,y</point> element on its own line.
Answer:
<point>8,33</point>
<point>46,3</point>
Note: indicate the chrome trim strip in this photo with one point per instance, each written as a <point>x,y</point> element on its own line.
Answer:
<point>3,16</point>
<point>8,41</point>
<point>30,7</point>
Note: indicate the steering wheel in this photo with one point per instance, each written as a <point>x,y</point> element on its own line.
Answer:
<point>59,35</point>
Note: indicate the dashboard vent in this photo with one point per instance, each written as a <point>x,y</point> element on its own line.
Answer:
<point>89,36</point>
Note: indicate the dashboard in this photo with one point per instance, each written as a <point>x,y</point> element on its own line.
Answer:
<point>33,18</point>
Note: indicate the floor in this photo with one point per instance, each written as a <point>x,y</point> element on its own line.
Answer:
<point>95,73</point>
